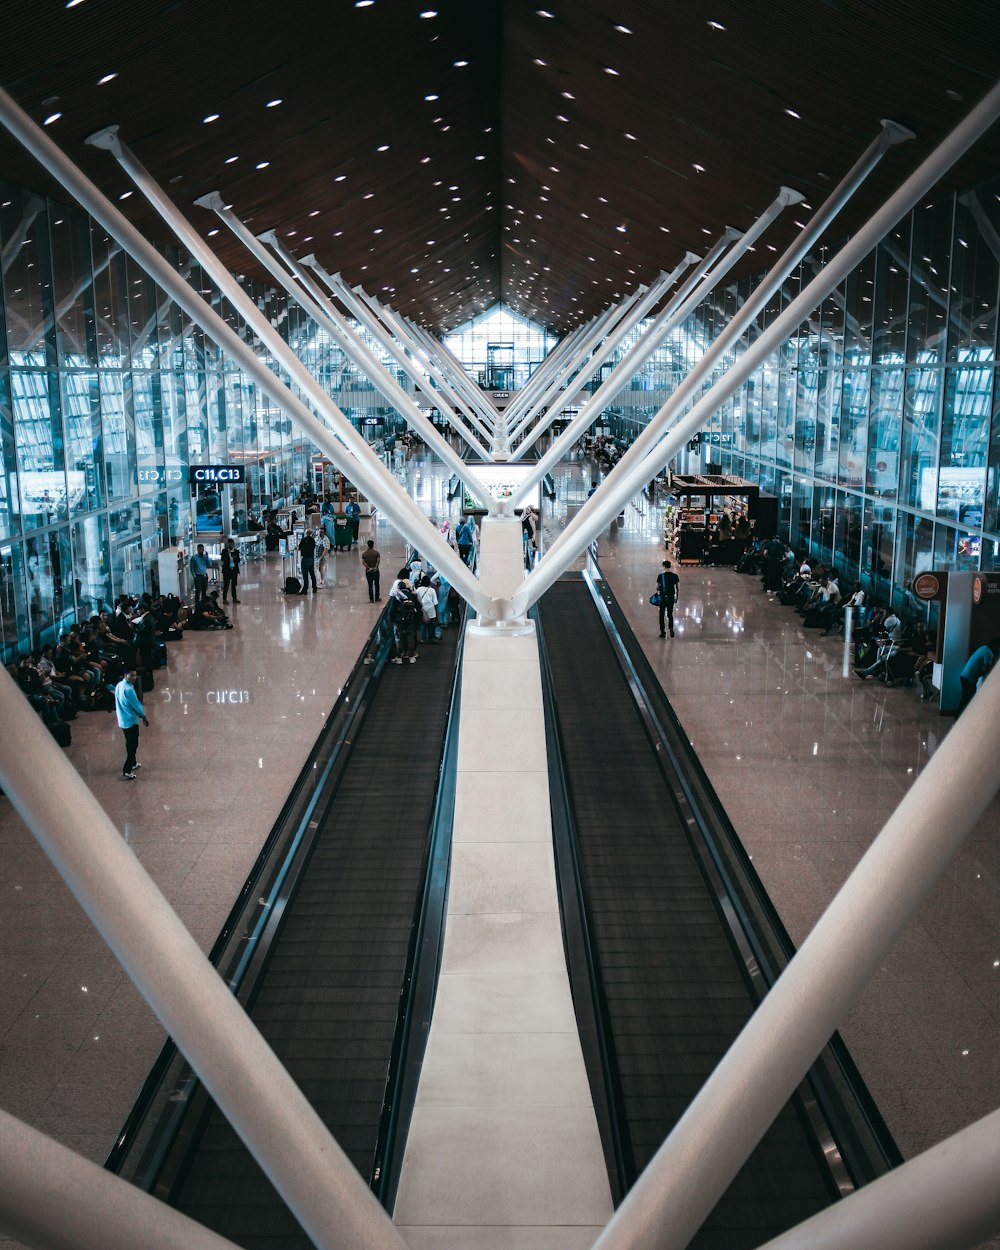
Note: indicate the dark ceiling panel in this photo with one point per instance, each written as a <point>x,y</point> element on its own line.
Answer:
<point>536,175</point>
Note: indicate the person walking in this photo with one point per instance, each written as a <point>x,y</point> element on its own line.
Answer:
<point>977,667</point>
<point>307,555</point>
<point>371,558</point>
<point>199,571</point>
<point>465,538</point>
<point>129,711</point>
<point>230,560</point>
<point>322,550</point>
<point>667,583</point>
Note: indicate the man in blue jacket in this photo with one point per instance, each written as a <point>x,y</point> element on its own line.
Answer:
<point>977,666</point>
<point>130,712</point>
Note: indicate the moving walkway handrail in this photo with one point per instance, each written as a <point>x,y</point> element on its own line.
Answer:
<point>865,1142</point>
<point>423,961</point>
<point>255,907</point>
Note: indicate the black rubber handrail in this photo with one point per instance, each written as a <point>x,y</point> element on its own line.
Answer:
<point>423,963</point>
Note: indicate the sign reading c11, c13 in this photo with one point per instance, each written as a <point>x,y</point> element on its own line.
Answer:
<point>217,474</point>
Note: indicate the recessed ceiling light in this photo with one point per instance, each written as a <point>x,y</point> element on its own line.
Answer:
<point>363,4</point>
<point>340,178</point>
<point>480,158</point>
<point>609,70</point>
<point>107,78</point>
<point>621,229</point>
<point>430,98</point>
<point>623,30</point>
<point>231,159</point>
<point>71,4</point>
<point>715,25</point>
<point>377,230</point>
<point>665,229</point>
<point>429,13</point>
<point>212,117</point>
<point>460,64</point>
<point>262,164</point>
<point>124,195</point>
<point>700,168</point>
<point>792,113</point>
<point>539,61</point>
<point>383,147</point>
<point>273,104</point>
<point>544,13</point>
<point>369,196</point>
<point>52,117</point>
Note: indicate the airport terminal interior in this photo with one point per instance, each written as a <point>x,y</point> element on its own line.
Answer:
<point>532,299</point>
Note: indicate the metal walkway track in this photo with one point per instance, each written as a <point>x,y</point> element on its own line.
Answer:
<point>675,987</point>
<point>329,996</point>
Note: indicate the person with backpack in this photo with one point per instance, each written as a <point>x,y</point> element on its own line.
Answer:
<point>667,583</point>
<point>406,616</point>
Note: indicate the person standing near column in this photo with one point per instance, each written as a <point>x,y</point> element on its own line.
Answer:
<point>230,570</point>
<point>199,571</point>
<point>667,583</point>
<point>130,712</point>
<point>371,558</point>
<point>353,511</point>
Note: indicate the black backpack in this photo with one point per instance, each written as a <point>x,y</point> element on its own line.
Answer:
<point>293,586</point>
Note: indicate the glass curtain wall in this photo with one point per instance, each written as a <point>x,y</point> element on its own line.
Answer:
<point>108,393</point>
<point>878,422</point>
<point>499,348</point>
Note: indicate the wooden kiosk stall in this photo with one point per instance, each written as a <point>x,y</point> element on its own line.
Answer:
<point>715,516</point>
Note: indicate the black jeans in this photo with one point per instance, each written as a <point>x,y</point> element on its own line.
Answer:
<point>373,579</point>
<point>666,609</point>
<point>200,589</point>
<point>131,746</point>
<point>229,579</point>
<point>308,571</point>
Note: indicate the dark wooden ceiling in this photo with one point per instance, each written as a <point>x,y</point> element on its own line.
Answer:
<point>551,155</point>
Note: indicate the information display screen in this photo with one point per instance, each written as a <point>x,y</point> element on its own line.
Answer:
<point>503,481</point>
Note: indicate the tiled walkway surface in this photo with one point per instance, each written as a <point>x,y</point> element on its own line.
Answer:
<point>808,763</point>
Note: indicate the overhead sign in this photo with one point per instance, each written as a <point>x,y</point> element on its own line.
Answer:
<point>503,481</point>
<point>217,474</point>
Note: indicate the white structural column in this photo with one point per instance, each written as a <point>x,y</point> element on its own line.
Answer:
<point>437,355</point>
<point>448,364</point>
<point>655,292</point>
<point>684,298</point>
<point>443,397</point>
<point>480,415</point>
<point>947,1198</point>
<point>503,1149</point>
<point>547,371</point>
<point>476,413</point>
<point>684,303</point>
<point>363,468</point>
<point>239,1070</point>
<point>632,360</point>
<point>313,301</point>
<point>584,361</point>
<point>594,517</point>
<point>891,133</point>
<point>52,1197</point>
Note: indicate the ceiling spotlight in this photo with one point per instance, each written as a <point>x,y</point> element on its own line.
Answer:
<point>106,79</point>
<point>460,64</point>
<point>430,98</point>
<point>273,104</point>
<point>623,30</point>
<point>212,117</point>
<point>52,117</point>
<point>609,70</point>
<point>715,25</point>
<point>429,13</point>
<point>363,4</point>
<point>340,178</point>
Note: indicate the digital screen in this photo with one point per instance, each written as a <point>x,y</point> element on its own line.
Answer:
<point>502,481</point>
<point>44,492</point>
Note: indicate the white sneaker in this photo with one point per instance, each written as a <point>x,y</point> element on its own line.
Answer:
<point>413,659</point>
<point>129,776</point>
<point>397,659</point>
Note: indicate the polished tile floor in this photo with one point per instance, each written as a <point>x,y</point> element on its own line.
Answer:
<point>808,763</point>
